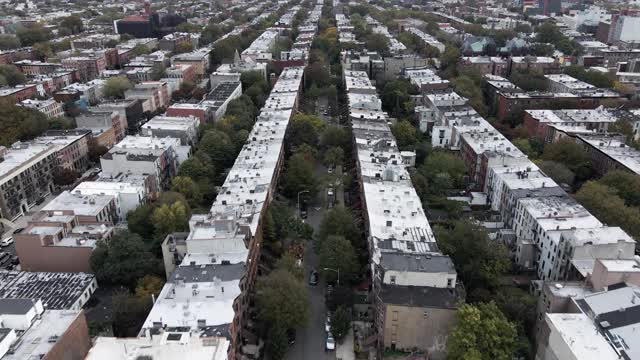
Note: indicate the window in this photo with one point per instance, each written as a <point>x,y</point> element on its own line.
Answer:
<point>395,316</point>
<point>393,279</point>
<point>425,314</point>
<point>449,283</point>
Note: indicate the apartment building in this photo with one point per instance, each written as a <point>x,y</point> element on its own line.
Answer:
<point>225,241</point>
<point>183,128</point>
<point>26,176</point>
<point>31,331</point>
<point>198,58</point>
<point>220,97</point>
<point>50,108</point>
<point>609,152</point>
<point>128,195</point>
<point>107,126</point>
<point>551,125</point>
<point>151,156</point>
<point>31,68</point>
<point>72,148</point>
<point>405,261</point>
<point>154,95</point>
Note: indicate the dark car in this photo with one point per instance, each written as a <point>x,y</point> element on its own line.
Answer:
<point>313,278</point>
<point>15,260</point>
<point>18,230</point>
<point>40,201</point>
<point>291,336</point>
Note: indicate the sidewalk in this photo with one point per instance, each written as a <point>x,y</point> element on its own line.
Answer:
<point>344,351</point>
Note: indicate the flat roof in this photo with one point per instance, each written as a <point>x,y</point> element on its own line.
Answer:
<point>85,205</point>
<point>581,336</point>
<point>43,334</point>
<point>56,290</point>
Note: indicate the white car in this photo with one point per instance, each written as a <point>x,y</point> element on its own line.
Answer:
<point>327,324</point>
<point>331,343</point>
<point>6,242</point>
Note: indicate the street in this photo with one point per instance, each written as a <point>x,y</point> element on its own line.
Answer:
<point>310,341</point>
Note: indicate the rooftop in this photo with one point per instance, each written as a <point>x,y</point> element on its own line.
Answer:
<point>82,205</point>
<point>43,334</point>
<point>57,290</point>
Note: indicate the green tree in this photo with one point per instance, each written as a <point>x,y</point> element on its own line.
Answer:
<point>566,152</point>
<point>187,187</point>
<point>340,323</point>
<point>73,23</point>
<point>33,34</point>
<point>480,261</point>
<point>219,147</point>
<point>394,96</point>
<point>250,78</point>
<point>378,43</point>
<point>281,287</point>
<point>306,129</point>
<point>336,252</point>
<point>209,34</point>
<point>96,151</point>
<point>626,185</point>
<point>449,60</point>
<point>148,286</point>
<point>299,176</point>
<point>277,342</point>
<point>170,218</point>
<point>558,172</point>
<point>530,80</point>
<point>8,42</point>
<point>290,264</point>
<point>334,136</point>
<point>115,87</point>
<point>483,333</point>
<point>139,221</point>
<point>444,171</point>
<point>188,27</point>
<point>12,75</point>
<point>406,135</point>
<point>19,123</point>
<point>123,260</point>
<point>129,314</point>
<point>525,146</point>
<point>604,203</point>
<point>158,72</point>
<point>333,157</point>
<point>183,47</point>
<point>339,221</point>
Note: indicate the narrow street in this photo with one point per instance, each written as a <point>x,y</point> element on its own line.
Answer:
<point>310,341</point>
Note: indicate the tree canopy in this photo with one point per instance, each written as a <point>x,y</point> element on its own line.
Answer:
<point>482,333</point>
<point>277,288</point>
<point>123,260</point>
<point>115,87</point>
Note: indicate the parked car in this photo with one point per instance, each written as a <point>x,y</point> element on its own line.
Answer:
<point>330,344</point>
<point>15,260</point>
<point>40,201</point>
<point>327,324</point>
<point>18,230</point>
<point>313,278</point>
<point>291,336</point>
<point>6,242</point>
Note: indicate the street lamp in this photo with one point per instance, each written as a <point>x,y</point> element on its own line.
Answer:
<point>300,192</point>
<point>338,271</point>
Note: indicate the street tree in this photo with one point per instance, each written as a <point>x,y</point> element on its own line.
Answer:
<point>339,221</point>
<point>139,221</point>
<point>340,322</point>
<point>170,218</point>
<point>277,342</point>
<point>19,123</point>
<point>337,253</point>
<point>63,176</point>
<point>290,264</point>
<point>299,177</point>
<point>482,333</point>
<point>333,157</point>
<point>73,23</point>
<point>278,288</point>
